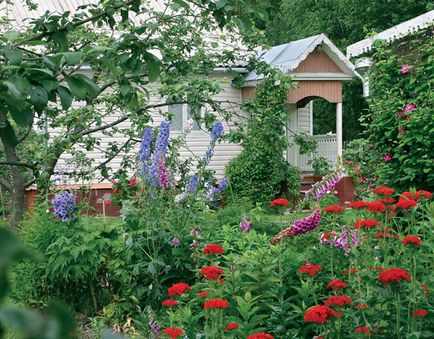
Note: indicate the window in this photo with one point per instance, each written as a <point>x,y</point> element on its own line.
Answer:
<point>180,114</point>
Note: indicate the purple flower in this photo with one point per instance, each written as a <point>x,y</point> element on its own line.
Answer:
<point>160,146</point>
<point>145,152</point>
<point>387,157</point>
<point>163,175</point>
<point>321,188</point>
<point>216,192</point>
<point>245,225</point>
<point>175,242</point>
<point>346,240</point>
<point>192,184</point>
<point>64,206</point>
<point>409,107</point>
<point>216,132</point>
<point>300,226</point>
<point>154,326</point>
<point>405,69</point>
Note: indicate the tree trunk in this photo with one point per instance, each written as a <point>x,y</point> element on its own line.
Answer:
<point>18,206</point>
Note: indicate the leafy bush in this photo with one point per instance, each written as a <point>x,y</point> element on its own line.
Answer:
<point>261,172</point>
<point>400,123</point>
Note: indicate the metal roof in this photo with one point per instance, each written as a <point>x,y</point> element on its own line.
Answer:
<point>288,56</point>
<point>396,32</point>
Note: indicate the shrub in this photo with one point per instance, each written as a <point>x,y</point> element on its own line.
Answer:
<point>400,122</point>
<point>261,172</point>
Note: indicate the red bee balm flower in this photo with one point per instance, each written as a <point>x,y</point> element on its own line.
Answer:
<point>178,289</point>
<point>132,182</point>
<point>393,275</point>
<point>411,240</point>
<point>169,303</point>
<point>358,204</point>
<point>279,202</point>
<point>232,326</point>
<point>318,314</point>
<point>338,300</point>
<point>405,204</point>
<point>212,249</point>
<point>423,193</point>
<point>362,305</point>
<point>337,284</point>
<point>420,313</point>
<point>334,209</point>
<point>173,332</point>
<point>216,303</point>
<point>260,335</point>
<point>363,329</point>
<point>383,190</point>
<point>310,269</point>
<point>211,272</point>
<point>202,294</point>
<point>376,206</point>
<point>367,223</point>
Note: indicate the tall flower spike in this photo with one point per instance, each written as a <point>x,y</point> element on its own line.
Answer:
<point>145,153</point>
<point>192,184</point>
<point>216,192</point>
<point>320,188</point>
<point>160,146</point>
<point>300,226</point>
<point>245,225</point>
<point>64,206</point>
<point>346,241</point>
<point>163,175</point>
<point>216,132</point>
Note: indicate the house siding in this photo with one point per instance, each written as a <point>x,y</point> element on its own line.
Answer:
<point>197,141</point>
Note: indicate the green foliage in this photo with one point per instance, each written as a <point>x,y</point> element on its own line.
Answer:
<point>402,136</point>
<point>261,172</point>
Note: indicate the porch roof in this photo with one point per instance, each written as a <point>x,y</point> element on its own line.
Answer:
<point>287,57</point>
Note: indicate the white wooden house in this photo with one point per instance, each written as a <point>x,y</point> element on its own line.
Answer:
<point>315,62</point>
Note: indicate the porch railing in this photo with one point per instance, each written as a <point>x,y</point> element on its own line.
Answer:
<point>327,148</point>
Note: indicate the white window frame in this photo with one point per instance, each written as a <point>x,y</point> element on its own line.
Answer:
<point>184,111</point>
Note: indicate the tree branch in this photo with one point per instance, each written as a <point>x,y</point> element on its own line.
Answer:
<point>6,184</point>
<point>16,163</point>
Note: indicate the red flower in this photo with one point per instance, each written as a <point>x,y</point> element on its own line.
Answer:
<point>393,275</point>
<point>173,332</point>
<point>310,269</point>
<point>334,209</point>
<point>318,314</point>
<point>178,289</point>
<point>350,271</point>
<point>338,314</point>
<point>279,202</point>
<point>368,223</point>
<point>211,272</point>
<point>377,268</point>
<point>202,294</point>
<point>383,190</point>
<point>260,335</point>
<point>358,204</point>
<point>232,326</point>
<point>107,203</point>
<point>328,235</point>
<point>376,206</point>
<point>420,313</point>
<point>421,193</point>
<point>169,303</point>
<point>216,303</point>
<point>405,204</point>
<point>132,182</point>
<point>212,249</point>
<point>362,305</point>
<point>363,329</point>
<point>387,201</point>
<point>338,300</point>
<point>426,288</point>
<point>386,234</point>
<point>411,240</point>
<point>407,195</point>
<point>337,284</point>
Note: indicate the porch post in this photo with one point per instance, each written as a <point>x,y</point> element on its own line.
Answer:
<point>339,128</point>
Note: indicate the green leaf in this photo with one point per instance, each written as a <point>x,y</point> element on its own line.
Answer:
<point>11,35</point>
<point>178,4</point>
<point>25,321</point>
<point>20,111</point>
<point>7,133</point>
<point>39,98</point>
<point>14,56</point>
<point>18,86</point>
<point>220,4</point>
<point>50,85</point>
<point>91,87</point>
<point>243,23</point>
<point>77,87</point>
<point>65,97</point>
<point>72,58</point>
<point>54,61</point>
<point>153,65</point>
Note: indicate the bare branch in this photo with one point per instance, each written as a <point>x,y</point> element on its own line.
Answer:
<point>15,163</point>
<point>6,184</point>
